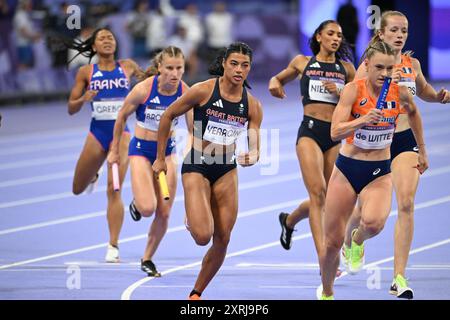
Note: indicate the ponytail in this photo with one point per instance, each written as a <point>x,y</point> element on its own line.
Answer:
<point>170,51</point>
<point>216,67</point>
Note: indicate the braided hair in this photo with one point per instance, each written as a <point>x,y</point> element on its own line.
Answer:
<point>86,47</point>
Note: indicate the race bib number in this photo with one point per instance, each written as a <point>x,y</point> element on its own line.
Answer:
<point>318,92</point>
<point>153,117</point>
<point>374,137</point>
<point>106,109</point>
<point>222,132</point>
<point>411,85</point>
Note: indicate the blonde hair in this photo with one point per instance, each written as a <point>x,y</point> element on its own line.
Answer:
<point>383,23</point>
<point>379,46</point>
<point>170,51</point>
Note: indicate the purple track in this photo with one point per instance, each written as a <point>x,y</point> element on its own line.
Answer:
<point>48,236</point>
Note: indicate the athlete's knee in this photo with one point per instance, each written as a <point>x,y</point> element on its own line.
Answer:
<point>146,208</point>
<point>318,195</point>
<point>222,240</point>
<point>163,215</point>
<point>201,238</point>
<point>406,205</point>
<point>373,226</point>
<point>332,244</point>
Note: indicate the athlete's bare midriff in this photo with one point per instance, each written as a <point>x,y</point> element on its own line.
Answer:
<point>402,123</point>
<point>209,148</point>
<point>320,111</point>
<point>354,152</point>
<point>148,135</point>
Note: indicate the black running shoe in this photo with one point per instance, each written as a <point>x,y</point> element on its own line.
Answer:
<point>135,214</point>
<point>286,232</point>
<point>149,267</point>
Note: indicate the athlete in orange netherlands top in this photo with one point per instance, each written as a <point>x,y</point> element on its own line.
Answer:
<point>362,169</point>
<point>404,148</point>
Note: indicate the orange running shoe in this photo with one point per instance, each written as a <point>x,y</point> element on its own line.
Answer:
<point>195,297</point>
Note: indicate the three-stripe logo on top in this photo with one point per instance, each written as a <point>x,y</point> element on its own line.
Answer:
<point>155,100</point>
<point>97,74</point>
<point>218,103</point>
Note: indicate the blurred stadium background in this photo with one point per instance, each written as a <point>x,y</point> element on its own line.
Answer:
<point>33,70</point>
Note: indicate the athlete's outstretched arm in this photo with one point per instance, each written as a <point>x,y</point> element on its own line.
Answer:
<point>292,71</point>
<point>340,126</point>
<point>132,101</point>
<point>77,98</point>
<point>197,93</point>
<point>255,115</point>
<point>424,90</point>
<point>415,122</point>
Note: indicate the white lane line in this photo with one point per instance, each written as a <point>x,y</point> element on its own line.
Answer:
<point>244,186</point>
<point>253,265</point>
<point>437,149</point>
<point>58,196</point>
<point>58,134</point>
<point>161,286</point>
<point>126,295</point>
<point>41,147</point>
<point>38,161</point>
<point>143,236</point>
<point>51,197</point>
<point>103,213</point>
<point>431,266</point>
<point>55,222</point>
<point>411,252</point>
<point>35,179</point>
<point>69,174</point>
<point>286,287</point>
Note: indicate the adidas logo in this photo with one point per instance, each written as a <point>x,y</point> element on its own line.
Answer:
<point>155,100</point>
<point>97,74</point>
<point>315,65</point>
<point>218,103</point>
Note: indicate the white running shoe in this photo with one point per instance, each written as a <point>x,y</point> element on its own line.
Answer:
<point>186,223</point>
<point>112,254</point>
<point>93,185</point>
<point>319,292</point>
<point>321,296</point>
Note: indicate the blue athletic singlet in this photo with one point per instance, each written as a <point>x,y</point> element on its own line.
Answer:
<point>148,116</point>
<point>112,86</point>
<point>148,113</point>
